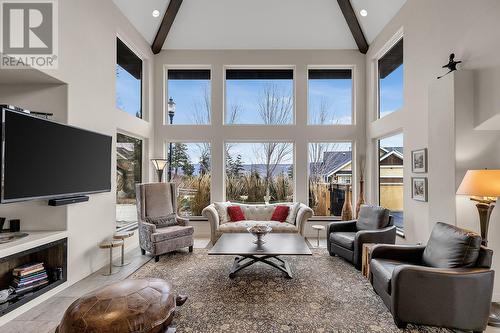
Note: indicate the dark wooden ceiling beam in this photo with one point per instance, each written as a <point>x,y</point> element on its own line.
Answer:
<point>353,23</point>
<point>166,24</point>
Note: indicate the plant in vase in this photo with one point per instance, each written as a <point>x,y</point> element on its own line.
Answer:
<point>347,208</point>
<point>361,197</point>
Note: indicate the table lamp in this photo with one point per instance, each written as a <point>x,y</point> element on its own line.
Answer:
<point>159,164</point>
<point>483,186</point>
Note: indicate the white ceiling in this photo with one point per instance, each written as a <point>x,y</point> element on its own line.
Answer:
<point>259,24</point>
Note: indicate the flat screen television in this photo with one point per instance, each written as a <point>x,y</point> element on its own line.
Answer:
<point>43,159</point>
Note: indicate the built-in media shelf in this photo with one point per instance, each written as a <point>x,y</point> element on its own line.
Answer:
<point>53,254</point>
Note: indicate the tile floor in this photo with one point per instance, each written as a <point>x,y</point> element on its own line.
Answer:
<point>46,316</point>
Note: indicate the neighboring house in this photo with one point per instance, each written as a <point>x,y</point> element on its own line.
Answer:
<point>337,168</point>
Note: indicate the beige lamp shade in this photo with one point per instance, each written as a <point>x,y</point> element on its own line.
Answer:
<point>480,183</point>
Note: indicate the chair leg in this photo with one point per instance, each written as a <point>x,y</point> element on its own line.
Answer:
<point>157,258</point>
<point>191,248</point>
<point>143,252</point>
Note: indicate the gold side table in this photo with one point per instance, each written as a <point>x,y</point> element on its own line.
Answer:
<point>365,259</point>
<point>122,236</point>
<point>110,244</point>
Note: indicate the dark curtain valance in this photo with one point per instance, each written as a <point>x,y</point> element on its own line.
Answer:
<point>189,74</point>
<point>391,60</point>
<point>330,74</point>
<point>128,60</point>
<point>259,74</point>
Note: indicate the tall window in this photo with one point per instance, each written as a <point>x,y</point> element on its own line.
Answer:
<point>128,80</point>
<point>190,90</point>
<point>391,190</point>
<point>259,96</point>
<point>128,173</point>
<point>191,171</point>
<point>259,172</point>
<point>390,80</point>
<point>330,97</point>
<point>330,176</point>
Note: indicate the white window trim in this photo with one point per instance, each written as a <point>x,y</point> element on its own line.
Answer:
<point>380,54</point>
<point>353,92</point>
<point>144,87</point>
<point>166,68</point>
<point>294,90</point>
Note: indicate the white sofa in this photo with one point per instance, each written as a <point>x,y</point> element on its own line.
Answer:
<point>258,213</point>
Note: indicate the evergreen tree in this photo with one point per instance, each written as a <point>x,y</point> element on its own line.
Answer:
<point>204,163</point>
<point>180,157</point>
<point>237,167</point>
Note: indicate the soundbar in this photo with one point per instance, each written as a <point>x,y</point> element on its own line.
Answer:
<point>68,200</point>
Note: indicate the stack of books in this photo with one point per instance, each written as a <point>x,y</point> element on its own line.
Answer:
<point>29,277</point>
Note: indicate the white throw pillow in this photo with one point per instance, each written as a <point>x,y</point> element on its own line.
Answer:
<point>221,208</point>
<point>292,214</point>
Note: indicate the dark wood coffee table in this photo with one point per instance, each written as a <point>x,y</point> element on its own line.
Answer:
<point>248,253</point>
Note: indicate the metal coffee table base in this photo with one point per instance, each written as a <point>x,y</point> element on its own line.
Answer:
<point>244,261</point>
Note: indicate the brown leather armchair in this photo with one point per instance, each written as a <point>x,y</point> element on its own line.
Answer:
<point>447,283</point>
<point>346,239</point>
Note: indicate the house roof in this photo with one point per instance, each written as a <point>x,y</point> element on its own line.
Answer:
<point>333,161</point>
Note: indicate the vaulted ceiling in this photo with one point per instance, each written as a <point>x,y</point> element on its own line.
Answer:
<point>259,24</point>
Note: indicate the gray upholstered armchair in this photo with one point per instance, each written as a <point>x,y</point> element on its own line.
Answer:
<point>156,203</point>
<point>346,239</point>
<point>447,283</point>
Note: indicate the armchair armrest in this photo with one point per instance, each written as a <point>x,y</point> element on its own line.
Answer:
<point>182,221</point>
<point>442,297</point>
<point>213,219</point>
<point>303,214</point>
<point>408,253</point>
<point>342,226</point>
<point>145,232</point>
<point>380,236</point>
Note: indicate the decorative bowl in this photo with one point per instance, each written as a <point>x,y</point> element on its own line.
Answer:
<point>259,231</point>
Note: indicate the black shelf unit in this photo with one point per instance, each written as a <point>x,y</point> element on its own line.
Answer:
<point>53,254</point>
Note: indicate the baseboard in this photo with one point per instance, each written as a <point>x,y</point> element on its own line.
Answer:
<point>496,297</point>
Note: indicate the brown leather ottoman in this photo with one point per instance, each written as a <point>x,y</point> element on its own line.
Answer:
<point>145,305</point>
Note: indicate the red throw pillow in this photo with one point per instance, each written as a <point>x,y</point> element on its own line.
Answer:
<point>235,213</point>
<point>280,213</point>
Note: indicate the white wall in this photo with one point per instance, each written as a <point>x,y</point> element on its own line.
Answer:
<point>433,30</point>
<point>87,58</point>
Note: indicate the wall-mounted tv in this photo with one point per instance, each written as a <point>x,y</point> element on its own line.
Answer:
<point>43,159</point>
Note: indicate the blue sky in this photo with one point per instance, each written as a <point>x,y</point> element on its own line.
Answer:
<point>391,92</point>
<point>392,141</point>
<point>335,96</point>
<point>128,92</point>
<point>189,98</point>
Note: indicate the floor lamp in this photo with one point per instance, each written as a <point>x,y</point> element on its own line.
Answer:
<point>159,164</point>
<point>483,187</point>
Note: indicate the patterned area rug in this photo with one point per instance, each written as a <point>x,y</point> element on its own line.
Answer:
<point>326,295</point>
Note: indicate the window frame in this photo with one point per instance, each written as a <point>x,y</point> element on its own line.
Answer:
<point>352,68</point>
<point>400,232</point>
<point>257,67</point>
<point>166,96</point>
<point>353,174</point>
<point>399,35</point>
<point>142,57</point>
<point>166,143</point>
<point>133,225</point>
<point>236,141</point>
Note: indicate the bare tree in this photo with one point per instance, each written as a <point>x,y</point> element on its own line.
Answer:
<point>275,107</point>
